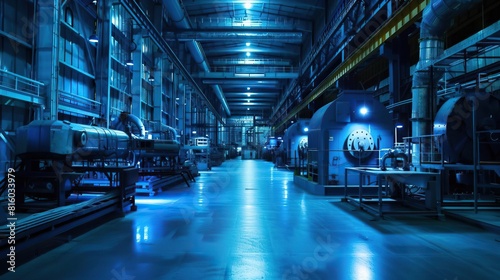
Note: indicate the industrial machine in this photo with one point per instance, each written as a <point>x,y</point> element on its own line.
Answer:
<point>199,152</point>
<point>58,157</point>
<point>467,147</point>
<point>295,143</point>
<point>347,132</point>
<point>456,121</point>
<point>100,166</point>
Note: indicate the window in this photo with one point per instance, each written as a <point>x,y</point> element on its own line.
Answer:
<point>68,16</point>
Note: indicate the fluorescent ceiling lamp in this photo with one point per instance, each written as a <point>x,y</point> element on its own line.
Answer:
<point>129,62</point>
<point>247,5</point>
<point>250,75</point>
<point>248,44</point>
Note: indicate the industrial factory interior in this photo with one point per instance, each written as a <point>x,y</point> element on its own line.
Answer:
<point>250,139</point>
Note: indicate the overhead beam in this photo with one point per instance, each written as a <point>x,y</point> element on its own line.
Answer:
<point>239,81</point>
<point>283,23</point>
<point>291,3</point>
<point>285,52</point>
<point>250,104</point>
<point>234,34</point>
<point>251,61</point>
<point>252,94</point>
<point>229,75</point>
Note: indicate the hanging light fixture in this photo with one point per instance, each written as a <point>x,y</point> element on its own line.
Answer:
<point>94,38</point>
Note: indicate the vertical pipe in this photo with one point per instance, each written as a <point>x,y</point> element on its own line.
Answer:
<point>436,19</point>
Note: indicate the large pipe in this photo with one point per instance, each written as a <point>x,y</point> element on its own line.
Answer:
<point>122,121</point>
<point>138,123</point>
<point>176,13</point>
<point>437,17</point>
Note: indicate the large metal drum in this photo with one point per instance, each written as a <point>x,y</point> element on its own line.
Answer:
<point>453,127</point>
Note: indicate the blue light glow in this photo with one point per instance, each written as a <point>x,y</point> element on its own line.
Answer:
<point>363,110</point>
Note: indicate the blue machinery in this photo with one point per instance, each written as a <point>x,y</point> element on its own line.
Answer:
<point>295,144</point>
<point>57,158</point>
<point>347,132</point>
<point>458,165</point>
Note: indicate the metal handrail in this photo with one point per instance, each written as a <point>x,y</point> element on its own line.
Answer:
<point>20,83</point>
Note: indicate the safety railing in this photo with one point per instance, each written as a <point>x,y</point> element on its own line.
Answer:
<point>425,149</point>
<point>80,102</point>
<point>12,81</point>
<point>337,161</point>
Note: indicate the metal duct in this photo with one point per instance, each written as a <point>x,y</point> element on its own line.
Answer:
<point>437,17</point>
<point>198,54</point>
<point>173,131</point>
<point>138,123</point>
<point>176,13</point>
<point>121,124</point>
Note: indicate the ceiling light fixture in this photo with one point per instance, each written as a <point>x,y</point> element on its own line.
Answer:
<point>151,78</point>
<point>247,5</point>
<point>248,88</point>
<point>248,44</point>
<point>94,38</point>
<point>129,62</point>
<point>248,53</point>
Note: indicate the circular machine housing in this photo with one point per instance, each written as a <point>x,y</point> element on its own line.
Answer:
<point>348,132</point>
<point>295,140</point>
<point>453,128</point>
<point>360,143</point>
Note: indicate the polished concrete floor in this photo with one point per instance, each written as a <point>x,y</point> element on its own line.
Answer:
<point>246,220</point>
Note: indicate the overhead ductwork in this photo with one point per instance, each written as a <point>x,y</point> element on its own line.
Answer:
<point>176,13</point>
<point>437,17</point>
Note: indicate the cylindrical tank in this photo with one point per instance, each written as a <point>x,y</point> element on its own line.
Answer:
<point>453,127</point>
<point>56,139</point>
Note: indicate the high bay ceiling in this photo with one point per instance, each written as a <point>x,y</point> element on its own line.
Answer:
<point>247,51</point>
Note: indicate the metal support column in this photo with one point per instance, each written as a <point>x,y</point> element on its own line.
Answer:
<point>47,53</point>
<point>103,61</point>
